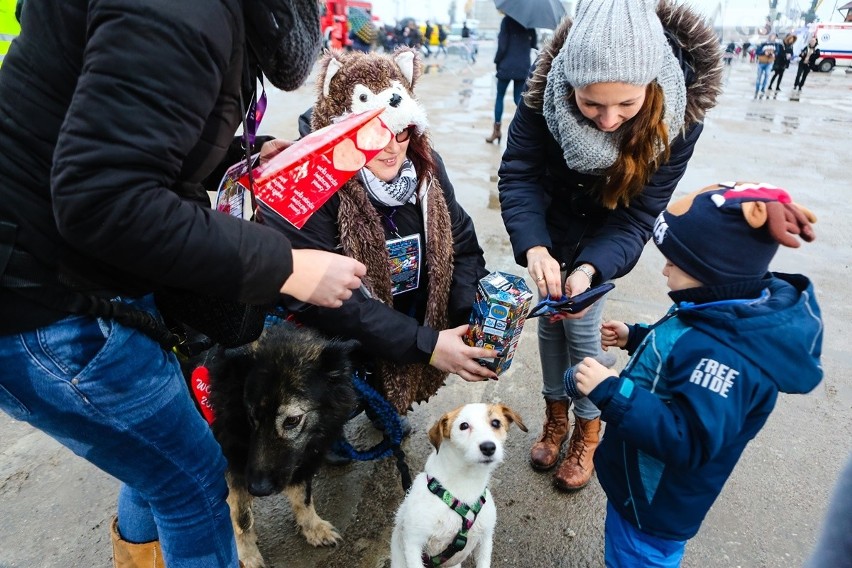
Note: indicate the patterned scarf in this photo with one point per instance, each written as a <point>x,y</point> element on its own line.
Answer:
<point>587,149</point>
<point>397,192</point>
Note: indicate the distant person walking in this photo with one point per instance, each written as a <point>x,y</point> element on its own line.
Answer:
<point>467,39</point>
<point>513,64</point>
<point>807,60</point>
<point>783,56</point>
<point>765,59</point>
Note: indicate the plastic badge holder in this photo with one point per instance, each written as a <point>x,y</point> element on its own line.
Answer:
<point>572,305</point>
<point>296,182</point>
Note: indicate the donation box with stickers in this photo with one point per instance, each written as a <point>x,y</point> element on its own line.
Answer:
<point>498,315</point>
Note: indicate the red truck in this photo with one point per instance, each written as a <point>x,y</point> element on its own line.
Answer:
<point>334,21</point>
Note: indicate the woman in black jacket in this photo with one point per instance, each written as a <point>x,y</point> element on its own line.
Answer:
<point>783,56</point>
<point>513,64</point>
<point>398,216</point>
<point>609,121</point>
<point>807,61</point>
<point>113,113</point>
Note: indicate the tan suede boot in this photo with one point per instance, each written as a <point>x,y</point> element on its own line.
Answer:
<point>128,555</point>
<point>576,470</point>
<point>496,134</point>
<point>545,452</point>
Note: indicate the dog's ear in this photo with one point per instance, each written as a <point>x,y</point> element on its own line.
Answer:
<point>512,416</point>
<point>439,431</point>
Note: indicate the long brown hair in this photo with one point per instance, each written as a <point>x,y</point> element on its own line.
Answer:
<point>420,153</point>
<point>639,154</point>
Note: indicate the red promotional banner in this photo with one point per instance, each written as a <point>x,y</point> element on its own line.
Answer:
<point>296,182</point>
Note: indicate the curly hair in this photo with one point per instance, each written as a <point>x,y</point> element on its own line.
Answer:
<point>643,146</point>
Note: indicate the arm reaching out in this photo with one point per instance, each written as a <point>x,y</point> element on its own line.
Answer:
<point>323,278</point>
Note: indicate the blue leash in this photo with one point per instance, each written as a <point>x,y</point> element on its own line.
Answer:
<point>391,425</point>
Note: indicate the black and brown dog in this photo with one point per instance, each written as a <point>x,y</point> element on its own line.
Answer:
<point>279,405</point>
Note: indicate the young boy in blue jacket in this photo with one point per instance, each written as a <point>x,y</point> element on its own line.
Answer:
<point>702,381</point>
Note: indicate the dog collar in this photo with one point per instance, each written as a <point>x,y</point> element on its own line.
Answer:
<point>468,514</point>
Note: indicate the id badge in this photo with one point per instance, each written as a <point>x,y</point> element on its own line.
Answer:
<point>230,198</point>
<point>404,255</point>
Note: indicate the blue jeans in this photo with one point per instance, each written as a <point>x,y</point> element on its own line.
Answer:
<point>762,77</point>
<point>625,546</point>
<point>564,344</point>
<point>502,85</point>
<point>111,395</point>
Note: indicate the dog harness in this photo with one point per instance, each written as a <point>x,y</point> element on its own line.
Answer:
<point>468,514</point>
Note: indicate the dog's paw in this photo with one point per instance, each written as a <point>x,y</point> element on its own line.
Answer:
<point>321,533</point>
<point>247,549</point>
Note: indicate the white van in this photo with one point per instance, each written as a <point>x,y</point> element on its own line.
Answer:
<point>835,45</point>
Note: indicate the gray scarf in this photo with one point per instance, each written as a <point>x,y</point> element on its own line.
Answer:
<point>394,193</point>
<point>587,149</point>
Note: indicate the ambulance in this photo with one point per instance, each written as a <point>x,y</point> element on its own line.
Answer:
<point>835,45</point>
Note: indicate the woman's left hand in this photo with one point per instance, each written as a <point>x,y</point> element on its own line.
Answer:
<point>453,355</point>
<point>576,283</point>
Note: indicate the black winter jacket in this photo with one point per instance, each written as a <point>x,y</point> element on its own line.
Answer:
<point>544,203</point>
<point>111,114</point>
<point>513,50</point>
<point>382,330</point>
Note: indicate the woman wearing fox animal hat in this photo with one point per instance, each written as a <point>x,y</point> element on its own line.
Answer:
<point>398,216</point>
<point>604,132</point>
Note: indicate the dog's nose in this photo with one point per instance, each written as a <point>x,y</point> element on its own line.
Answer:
<point>395,100</point>
<point>261,487</point>
<point>488,448</point>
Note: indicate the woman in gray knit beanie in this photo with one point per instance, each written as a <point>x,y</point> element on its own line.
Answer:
<point>608,123</point>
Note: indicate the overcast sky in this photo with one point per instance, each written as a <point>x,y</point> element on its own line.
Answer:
<point>734,12</point>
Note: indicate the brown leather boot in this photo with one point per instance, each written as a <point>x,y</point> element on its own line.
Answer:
<point>495,134</point>
<point>129,555</point>
<point>577,467</point>
<point>545,452</point>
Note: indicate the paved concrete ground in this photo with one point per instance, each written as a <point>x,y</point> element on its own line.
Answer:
<point>55,508</point>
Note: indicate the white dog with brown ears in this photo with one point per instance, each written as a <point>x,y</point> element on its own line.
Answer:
<point>449,514</point>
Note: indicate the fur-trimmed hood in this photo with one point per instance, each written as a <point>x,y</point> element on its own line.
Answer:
<point>696,45</point>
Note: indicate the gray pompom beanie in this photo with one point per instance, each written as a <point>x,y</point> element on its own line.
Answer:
<point>614,41</point>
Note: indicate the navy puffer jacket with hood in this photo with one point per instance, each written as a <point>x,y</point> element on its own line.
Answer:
<point>700,385</point>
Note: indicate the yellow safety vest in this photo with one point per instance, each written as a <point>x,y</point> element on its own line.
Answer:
<point>9,26</point>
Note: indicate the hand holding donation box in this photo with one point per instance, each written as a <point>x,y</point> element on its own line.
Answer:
<point>296,182</point>
<point>497,319</point>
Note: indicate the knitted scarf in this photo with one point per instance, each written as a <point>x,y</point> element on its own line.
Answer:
<point>586,148</point>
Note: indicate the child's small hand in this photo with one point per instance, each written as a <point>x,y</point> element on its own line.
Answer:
<point>614,333</point>
<point>588,374</point>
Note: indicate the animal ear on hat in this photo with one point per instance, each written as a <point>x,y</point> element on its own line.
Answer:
<point>786,221</point>
<point>329,66</point>
<point>409,64</point>
<point>683,204</point>
<point>770,206</point>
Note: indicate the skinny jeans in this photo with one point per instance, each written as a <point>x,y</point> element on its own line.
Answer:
<point>502,85</point>
<point>801,75</point>
<point>762,77</point>
<point>114,397</point>
<point>563,344</point>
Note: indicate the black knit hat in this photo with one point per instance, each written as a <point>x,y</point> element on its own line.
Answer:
<point>285,38</point>
<point>730,232</point>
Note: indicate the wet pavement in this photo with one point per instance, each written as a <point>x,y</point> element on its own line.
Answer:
<point>55,508</point>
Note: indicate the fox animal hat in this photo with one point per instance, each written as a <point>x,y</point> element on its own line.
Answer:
<point>730,231</point>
